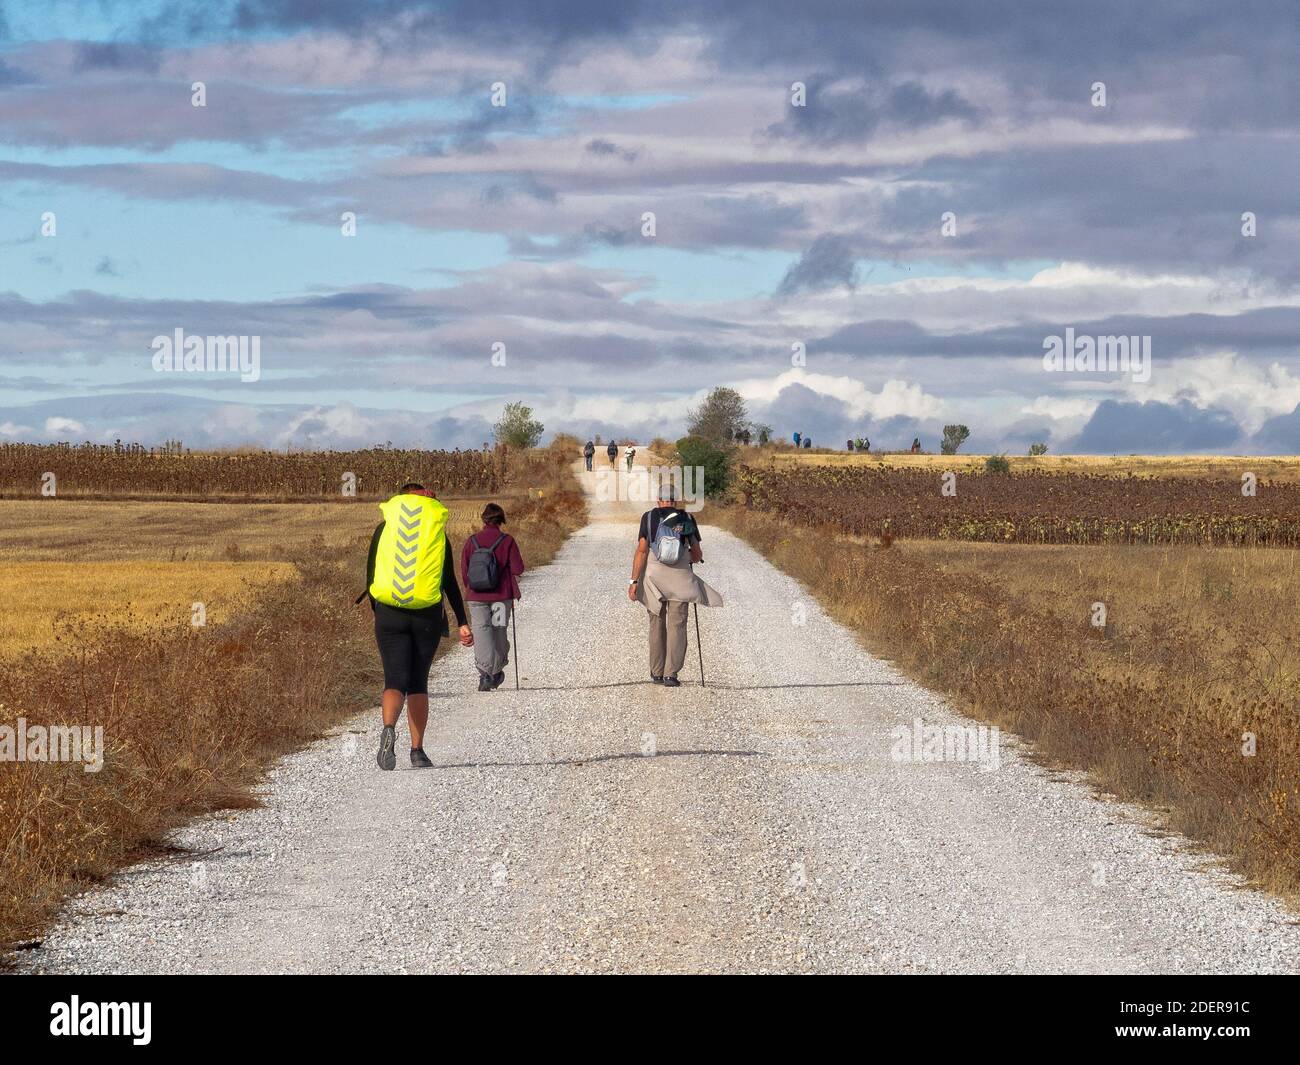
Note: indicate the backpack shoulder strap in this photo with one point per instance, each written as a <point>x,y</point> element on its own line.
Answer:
<point>494,547</point>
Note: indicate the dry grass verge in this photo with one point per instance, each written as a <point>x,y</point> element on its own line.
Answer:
<point>192,716</point>
<point>1196,654</point>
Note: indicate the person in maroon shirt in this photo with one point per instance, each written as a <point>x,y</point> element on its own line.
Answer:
<point>489,610</point>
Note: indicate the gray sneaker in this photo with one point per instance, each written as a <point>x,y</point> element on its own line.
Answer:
<point>420,760</point>
<point>386,757</point>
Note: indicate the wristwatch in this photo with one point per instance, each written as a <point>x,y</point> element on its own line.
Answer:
<point>631,580</point>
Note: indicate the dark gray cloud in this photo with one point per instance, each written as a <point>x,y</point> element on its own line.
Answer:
<point>827,263</point>
<point>602,147</point>
<point>852,114</point>
<point>1163,205</point>
<point>519,185</point>
<point>117,55</point>
<point>1267,332</point>
<point>1280,435</point>
<point>372,337</point>
<point>10,76</point>
<point>798,408</point>
<point>1066,43</point>
<point>1120,428</point>
<point>830,422</point>
<point>510,21</point>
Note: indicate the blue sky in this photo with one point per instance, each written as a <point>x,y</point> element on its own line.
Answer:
<point>941,196</point>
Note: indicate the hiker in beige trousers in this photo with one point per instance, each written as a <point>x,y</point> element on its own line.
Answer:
<point>664,582</point>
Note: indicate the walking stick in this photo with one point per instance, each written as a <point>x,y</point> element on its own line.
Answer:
<point>515,639</point>
<point>698,646</point>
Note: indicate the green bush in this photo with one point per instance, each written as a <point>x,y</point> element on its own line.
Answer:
<point>997,464</point>
<point>696,451</point>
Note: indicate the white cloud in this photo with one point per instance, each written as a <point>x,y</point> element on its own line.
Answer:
<point>57,426</point>
<point>895,398</point>
<point>1251,392</point>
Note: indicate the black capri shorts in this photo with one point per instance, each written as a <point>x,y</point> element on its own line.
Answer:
<point>408,640</point>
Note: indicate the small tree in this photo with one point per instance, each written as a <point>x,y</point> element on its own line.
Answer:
<point>720,417</point>
<point>953,438</point>
<point>1037,449</point>
<point>517,427</point>
<point>997,464</point>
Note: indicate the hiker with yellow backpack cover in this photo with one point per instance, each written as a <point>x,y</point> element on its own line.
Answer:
<point>409,570</point>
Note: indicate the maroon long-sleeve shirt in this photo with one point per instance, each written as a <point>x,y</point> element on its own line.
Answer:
<point>509,561</point>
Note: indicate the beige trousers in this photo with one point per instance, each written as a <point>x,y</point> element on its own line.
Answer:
<point>668,639</point>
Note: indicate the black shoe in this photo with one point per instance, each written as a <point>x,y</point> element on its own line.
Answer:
<point>672,682</point>
<point>499,679</point>
<point>484,682</point>
<point>420,760</point>
<point>386,758</point>
<point>656,680</point>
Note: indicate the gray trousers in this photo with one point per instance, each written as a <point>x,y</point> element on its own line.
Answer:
<point>490,624</point>
<point>668,639</point>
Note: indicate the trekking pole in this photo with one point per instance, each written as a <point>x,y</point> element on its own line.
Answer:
<point>515,639</point>
<point>698,646</point>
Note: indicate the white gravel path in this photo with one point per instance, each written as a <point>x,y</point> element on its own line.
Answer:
<point>771,831</point>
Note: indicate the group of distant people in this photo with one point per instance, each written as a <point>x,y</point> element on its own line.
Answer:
<point>863,445</point>
<point>611,450</point>
<point>743,436</point>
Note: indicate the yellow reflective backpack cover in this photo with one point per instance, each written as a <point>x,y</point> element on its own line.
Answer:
<point>411,552</point>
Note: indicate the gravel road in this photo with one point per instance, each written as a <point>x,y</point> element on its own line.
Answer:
<point>597,823</point>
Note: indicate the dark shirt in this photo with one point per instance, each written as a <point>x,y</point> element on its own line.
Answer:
<point>450,589</point>
<point>650,524</point>
<point>510,563</point>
